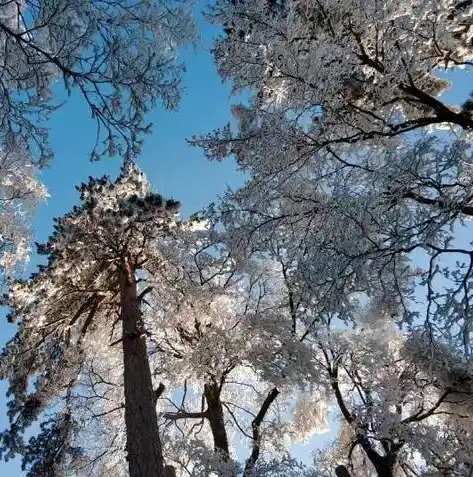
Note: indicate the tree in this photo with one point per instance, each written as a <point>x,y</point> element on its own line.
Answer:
<point>396,418</point>
<point>119,56</point>
<point>352,70</point>
<point>72,304</point>
<point>207,353</point>
<point>401,411</point>
<point>399,396</point>
<point>209,345</point>
<point>339,139</point>
<point>19,192</point>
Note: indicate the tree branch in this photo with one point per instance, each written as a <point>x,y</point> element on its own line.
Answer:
<point>419,416</point>
<point>464,209</point>
<point>159,391</point>
<point>255,425</point>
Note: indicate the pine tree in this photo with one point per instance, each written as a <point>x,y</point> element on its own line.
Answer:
<point>119,57</point>
<point>97,256</point>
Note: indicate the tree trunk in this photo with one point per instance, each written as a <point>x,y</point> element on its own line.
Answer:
<point>216,419</point>
<point>169,471</point>
<point>143,444</point>
<point>342,471</point>
<point>384,466</point>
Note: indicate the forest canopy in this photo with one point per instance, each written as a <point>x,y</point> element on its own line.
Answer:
<point>329,295</point>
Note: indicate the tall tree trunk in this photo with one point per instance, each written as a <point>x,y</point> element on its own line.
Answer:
<point>216,419</point>
<point>386,469</point>
<point>143,446</point>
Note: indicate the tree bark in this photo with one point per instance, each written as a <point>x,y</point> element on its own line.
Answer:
<point>216,419</point>
<point>169,471</point>
<point>143,446</point>
<point>342,471</point>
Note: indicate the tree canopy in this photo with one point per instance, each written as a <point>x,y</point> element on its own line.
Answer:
<point>332,291</point>
<point>119,56</point>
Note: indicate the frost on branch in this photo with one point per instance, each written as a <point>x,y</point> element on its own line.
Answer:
<point>20,190</point>
<point>340,140</point>
<point>348,69</point>
<point>351,219</point>
<point>120,56</point>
